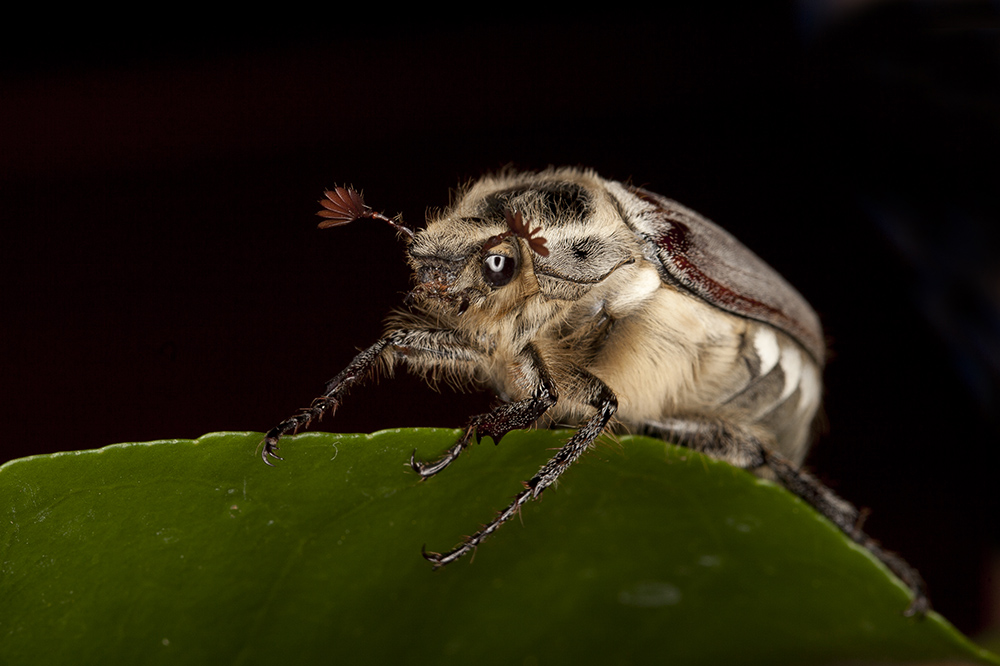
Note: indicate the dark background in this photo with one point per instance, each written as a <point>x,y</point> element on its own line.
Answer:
<point>163,276</point>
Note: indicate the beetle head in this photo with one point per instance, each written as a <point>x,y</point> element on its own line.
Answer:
<point>459,262</point>
<point>485,251</point>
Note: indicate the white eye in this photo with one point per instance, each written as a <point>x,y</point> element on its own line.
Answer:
<point>499,269</point>
<point>495,262</point>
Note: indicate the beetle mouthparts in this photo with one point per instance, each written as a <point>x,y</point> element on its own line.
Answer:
<point>437,291</point>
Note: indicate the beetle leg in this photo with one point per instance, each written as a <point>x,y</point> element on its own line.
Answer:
<point>504,418</point>
<point>827,502</point>
<point>421,349</point>
<point>357,370</point>
<point>740,448</point>
<point>595,393</point>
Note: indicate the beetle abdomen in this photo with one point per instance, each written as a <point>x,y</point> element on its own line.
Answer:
<point>672,358</point>
<point>781,392</point>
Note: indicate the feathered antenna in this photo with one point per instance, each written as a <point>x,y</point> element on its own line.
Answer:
<point>343,205</point>
<point>518,227</point>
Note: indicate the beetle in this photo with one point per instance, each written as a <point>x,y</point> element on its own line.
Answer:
<point>581,300</point>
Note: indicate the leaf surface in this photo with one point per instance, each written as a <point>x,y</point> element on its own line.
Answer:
<point>195,552</point>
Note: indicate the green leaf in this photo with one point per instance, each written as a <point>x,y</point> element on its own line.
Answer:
<point>195,552</point>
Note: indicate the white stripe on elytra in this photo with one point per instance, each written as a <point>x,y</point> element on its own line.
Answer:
<point>791,365</point>
<point>809,388</point>
<point>765,343</point>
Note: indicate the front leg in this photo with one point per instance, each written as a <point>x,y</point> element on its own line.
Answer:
<point>428,350</point>
<point>508,416</point>
<point>590,391</point>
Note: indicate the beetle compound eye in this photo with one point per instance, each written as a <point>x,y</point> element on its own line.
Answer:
<point>499,269</point>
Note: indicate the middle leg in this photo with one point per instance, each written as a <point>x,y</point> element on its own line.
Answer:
<point>506,417</point>
<point>595,393</point>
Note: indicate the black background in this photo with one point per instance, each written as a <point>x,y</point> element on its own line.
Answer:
<point>163,276</point>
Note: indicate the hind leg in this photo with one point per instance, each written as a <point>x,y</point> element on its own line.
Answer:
<point>740,447</point>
